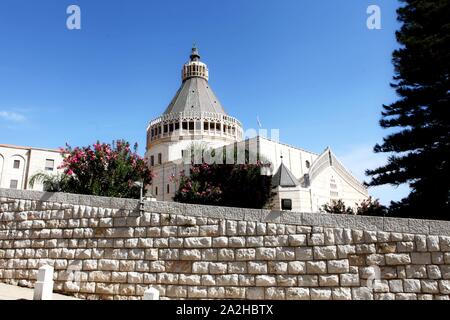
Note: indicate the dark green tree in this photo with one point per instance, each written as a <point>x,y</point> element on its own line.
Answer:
<point>420,142</point>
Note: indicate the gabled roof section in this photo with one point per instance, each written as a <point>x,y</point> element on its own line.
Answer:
<point>284,178</point>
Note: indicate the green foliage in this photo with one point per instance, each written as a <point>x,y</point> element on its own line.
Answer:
<point>101,170</point>
<point>369,207</point>
<point>420,145</point>
<point>226,185</point>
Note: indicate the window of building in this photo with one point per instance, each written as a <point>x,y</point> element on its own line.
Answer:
<point>168,188</point>
<point>49,164</point>
<point>152,160</point>
<point>13,184</point>
<point>286,204</point>
<point>307,164</point>
<point>191,125</point>
<point>16,164</point>
<point>159,158</point>
<point>166,128</point>
<point>185,125</point>
<point>156,191</point>
<point>177,125</point>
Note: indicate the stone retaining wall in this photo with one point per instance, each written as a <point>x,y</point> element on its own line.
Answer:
<point>105,248</point>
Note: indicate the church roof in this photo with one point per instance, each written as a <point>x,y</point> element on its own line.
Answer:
<point>195,94</point>
<point>284,178</point>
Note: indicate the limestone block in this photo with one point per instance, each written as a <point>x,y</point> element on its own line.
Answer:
<point>276,241</point>
<point>201,267</point>
<point>255,241</point>
<point>119,277</point>
<point>433,243</point>
<point>444,243</point>
<point>257,267</point>
<point>190,254</point>
<point>276,267</point>
<point>405,246</point>
<point>296,240</point>
<point>365,248</point>
<point>343,251</point>
<point>126,265</point>
<point>135,277</point>
<point>416,271</point>
<point>349,280</point>
<point>362,293</point>
<point>316,267</point>
<point>197,292</point>
<point>375,259</point>
<point>405,296</point>
<point>434,272</point>
<point>320,294</point>
<point>209,231</point>
<point>178,266</point>
<point>197,242</point>
<point>265,281</point>
<point>246,280</point>
<point>303,254</point>
<point>325,253</point>
<point>445,271</point>
<point>174,291</point>
<point>245,254</point>
<point>216,293</point>
<point>217,268</point>
<point>437,258</point>
<point>296,267</point>
<point>151,254</point>
<point>342,294</point>
<point>220,242</point>
<point>237,267</point>
<point>444,286</point>
<point>100,276</point>
<point>255,293</point>
<point>297,294</point>
<point>227,280</point>
<point>329,281</point>
<point>397,259</point>
<point>190,279</point>
<point>316,239</point>
<point>208,280</point>
<point>265,253</point>
<point>275,294</point>
<point>429,286</point>
<point>396,286</point>
<point>411,286</point>
<point>285,253</point>
<point>167,278</point>
<point>338,266</point>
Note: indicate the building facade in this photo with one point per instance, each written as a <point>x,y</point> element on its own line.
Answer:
<point>19,164</point>
<point>303,181</point>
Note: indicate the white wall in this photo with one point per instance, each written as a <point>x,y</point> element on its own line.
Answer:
<point>32,161</point>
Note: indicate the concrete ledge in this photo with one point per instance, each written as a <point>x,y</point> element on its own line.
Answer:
<point>366,223</point>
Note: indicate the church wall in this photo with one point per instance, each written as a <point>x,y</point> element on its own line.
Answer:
<point>105,248</point>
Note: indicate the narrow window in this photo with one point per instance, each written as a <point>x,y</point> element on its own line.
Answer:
<point>49,164</point>
<point>168,188</point>
<point>159,158</point>
<point>16,164</point>
<point>156,191</point>
<point>13,184</point>
<point>152,160</point>
<point>308,164</point>
<point>286,204</point>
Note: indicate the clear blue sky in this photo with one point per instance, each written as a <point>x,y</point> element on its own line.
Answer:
<point>308,67</point>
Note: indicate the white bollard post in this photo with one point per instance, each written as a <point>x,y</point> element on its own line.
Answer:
<point>43,289</point>
<point>151,294</point>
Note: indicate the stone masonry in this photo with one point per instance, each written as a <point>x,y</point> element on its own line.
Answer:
<point>105,248</point>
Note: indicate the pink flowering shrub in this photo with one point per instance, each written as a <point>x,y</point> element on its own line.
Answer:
<point>102,170</point>
<point>226,185</point>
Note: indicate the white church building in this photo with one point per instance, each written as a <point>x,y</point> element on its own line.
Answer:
<point>303,181</point>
